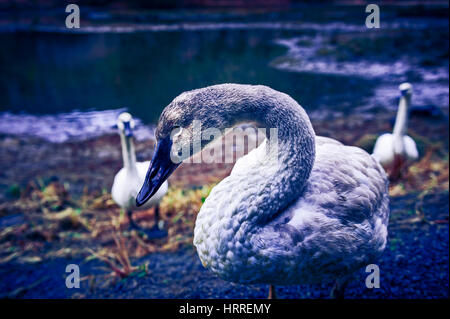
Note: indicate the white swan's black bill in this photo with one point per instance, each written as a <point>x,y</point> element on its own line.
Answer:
<point>160,169</point>
<point>127,129</point>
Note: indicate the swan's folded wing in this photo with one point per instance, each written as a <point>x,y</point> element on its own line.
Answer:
<point>338,224</point>
<point>346,185</point>
<point>321,140</point>
<point>410,148</point>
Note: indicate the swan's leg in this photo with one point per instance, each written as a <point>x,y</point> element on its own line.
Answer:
<point>155,232</point>
<point>131,221</point>
<point>272,294</point>
<point>337,292</point>
<point>152,233</point>
<point>156,215</point>
<point>397,167</point>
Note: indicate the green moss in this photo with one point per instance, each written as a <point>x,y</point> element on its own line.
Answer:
<point>13,191</point>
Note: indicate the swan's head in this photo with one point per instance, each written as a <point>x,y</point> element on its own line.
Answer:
<point>125,124</point>
<point>178,136</point>
<point>405,89</point>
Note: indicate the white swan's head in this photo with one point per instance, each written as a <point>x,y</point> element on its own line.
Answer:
<point>125,124</point>
<point>405,89</point>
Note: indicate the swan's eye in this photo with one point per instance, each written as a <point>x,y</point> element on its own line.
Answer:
<point>176,132</point>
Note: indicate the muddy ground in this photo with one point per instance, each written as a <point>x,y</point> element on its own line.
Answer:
<point>414,265</point>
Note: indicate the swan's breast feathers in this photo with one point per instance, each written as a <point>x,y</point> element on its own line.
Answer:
<point>127,184</point>
<point>337,225</point>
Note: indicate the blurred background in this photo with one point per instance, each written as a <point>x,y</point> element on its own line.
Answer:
<point>62,89</point>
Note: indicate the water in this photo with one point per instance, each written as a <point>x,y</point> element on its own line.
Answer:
<point>71,126</point>
<point>143,71</point>
<point>332,68</point>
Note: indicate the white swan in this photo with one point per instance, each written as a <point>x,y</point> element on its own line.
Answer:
<point>394,150</point>
<point>130,178</point>
<point>304,210</point>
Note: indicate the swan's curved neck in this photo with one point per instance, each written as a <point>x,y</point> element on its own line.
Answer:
<point>278,170</point>
<point>128,153</point>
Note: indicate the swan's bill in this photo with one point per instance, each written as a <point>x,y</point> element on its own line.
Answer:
<point>160,169</point>
<point>127,129</point>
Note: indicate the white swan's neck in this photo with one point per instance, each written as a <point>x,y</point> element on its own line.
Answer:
<point>401,122</point>
<point>273,175</point>
<point>128,153</point>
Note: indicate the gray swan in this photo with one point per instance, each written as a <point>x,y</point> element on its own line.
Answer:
<point>306,209</point>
